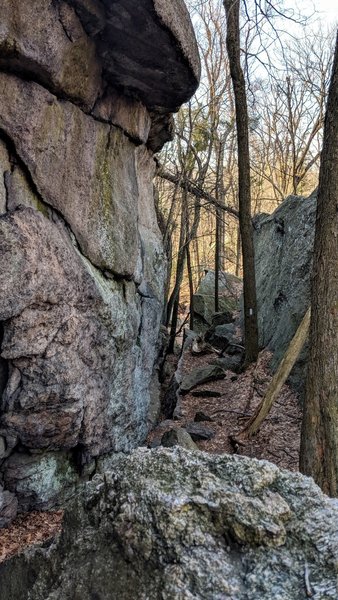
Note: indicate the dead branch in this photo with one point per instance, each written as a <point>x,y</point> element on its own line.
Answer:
<point>279,378</point>
<point>193,189</point>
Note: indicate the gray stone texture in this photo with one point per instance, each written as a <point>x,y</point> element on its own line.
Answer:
<point>175,524</point>
<point>178,437</point>
<point>84,169</point>
<point>45,41</point>
<point>149,47</point>
<point>201,375</point>
<point>82,266</point>
<point>8,507</point>
<point>204,298</point>
<point>80,364</point>
<point>284,248</point>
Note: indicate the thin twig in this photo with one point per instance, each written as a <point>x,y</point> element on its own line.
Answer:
<point>307,581</point>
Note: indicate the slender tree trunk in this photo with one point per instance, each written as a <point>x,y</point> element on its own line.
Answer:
<point>179,264</point>
<point>319,441</point>
<point>167,232</point>
<point>197,261</point>
<point>217,260</point>
<point>191,286</point>
<point>244,191</point>
<point>238,253</point>
<point>220,230</point>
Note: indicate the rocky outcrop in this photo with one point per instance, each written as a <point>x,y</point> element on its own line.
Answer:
<point>87,92</point>
<point>283,254</point>
<point>179,524</point>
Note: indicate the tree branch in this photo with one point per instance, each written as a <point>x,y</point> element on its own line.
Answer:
<point>193,189</point>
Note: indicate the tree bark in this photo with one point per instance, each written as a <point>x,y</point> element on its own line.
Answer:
<point>191,286</point>
<point>319,440</point>
<point>244,191</point>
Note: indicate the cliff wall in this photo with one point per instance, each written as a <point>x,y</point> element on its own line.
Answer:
<point>87,91</point>
<point>283,252</point>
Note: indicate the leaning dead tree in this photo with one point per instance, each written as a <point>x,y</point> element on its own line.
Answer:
<point>278,379</point>
<point>186,184</point>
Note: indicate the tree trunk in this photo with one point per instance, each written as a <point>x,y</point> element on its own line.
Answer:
<point>244,191</point>
<point>180,262</point>
<point>238,253</point>
<point>319,441</point>
<point>191,287</point>
<point>217,260</point>
<point>279,377</point>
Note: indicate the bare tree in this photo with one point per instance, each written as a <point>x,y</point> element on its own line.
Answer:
<point>289,104</point>
<point>244,185</point>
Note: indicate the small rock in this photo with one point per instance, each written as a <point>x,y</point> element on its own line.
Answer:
<point>8,508</point>
<point>199,347</point>
<point>198,376</point>
<point>236,350</point>
<point>199,432</point>
<point>221,336</point>
<point>156,443</point>
<point>201,416</point>
<point>2,447</point>
<point>222,318</point>
<point>178,437</point>
<point>206,394</point>
<point>228,363</point>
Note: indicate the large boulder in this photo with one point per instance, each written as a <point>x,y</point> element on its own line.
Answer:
<point>87,91</point>
<point>283,253</point>
<point>204,299</point>
<point>178,524</point>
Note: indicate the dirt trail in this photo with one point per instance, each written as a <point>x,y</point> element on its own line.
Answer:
<point>279,438</point>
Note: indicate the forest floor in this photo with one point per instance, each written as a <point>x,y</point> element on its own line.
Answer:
<point>277,441</point>
<point>28,530</point>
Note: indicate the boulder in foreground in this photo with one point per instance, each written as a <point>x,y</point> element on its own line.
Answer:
<point>173,524</point>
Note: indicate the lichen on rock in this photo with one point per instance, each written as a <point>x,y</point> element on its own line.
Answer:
<point>181,524</point>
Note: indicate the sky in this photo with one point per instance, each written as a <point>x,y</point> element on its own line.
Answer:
<point>329,9</point>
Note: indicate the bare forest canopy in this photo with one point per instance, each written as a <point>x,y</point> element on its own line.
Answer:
<point>286,58</point>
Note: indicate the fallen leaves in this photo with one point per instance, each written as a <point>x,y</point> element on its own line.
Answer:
<point>278,440</point>
<point>27,530</point>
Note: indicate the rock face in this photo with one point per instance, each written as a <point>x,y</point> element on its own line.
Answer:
<point>177,524</point>
<point>87,92</point>
<point>284,248</point>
